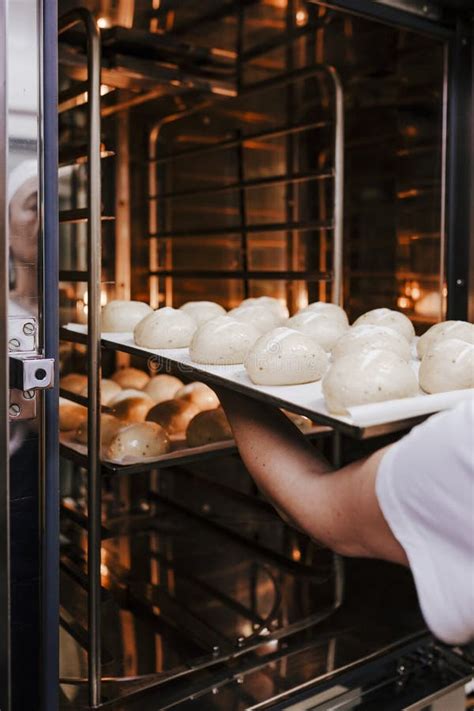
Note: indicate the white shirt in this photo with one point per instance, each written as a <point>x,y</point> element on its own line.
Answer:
<point>425,487</point>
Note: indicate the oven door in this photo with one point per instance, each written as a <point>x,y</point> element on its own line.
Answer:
<point>28,322</point>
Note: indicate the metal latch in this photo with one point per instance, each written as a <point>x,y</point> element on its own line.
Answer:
<point>29,370</point>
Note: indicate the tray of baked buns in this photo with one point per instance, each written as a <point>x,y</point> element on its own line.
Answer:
<point>364,379</point>
<point>150,420</point>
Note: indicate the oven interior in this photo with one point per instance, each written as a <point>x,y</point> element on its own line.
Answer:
<point>222,179</point>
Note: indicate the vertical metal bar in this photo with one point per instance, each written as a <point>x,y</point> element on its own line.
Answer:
<point>459,177</point>
<point>289,157</point>
<point>50,336</point>
<point>241,155</point>
<point>154,283</point>
<point>442,227</point>
<point>122,209</point>
<point>94,245</point>
<point>5,631</point>
<point>338,255</point>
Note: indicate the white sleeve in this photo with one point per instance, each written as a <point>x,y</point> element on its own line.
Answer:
<point>425,488</point>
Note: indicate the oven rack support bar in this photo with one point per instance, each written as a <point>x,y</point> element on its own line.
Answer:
<point>81,16</point>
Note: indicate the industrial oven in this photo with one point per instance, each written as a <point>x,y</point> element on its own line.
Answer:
<point>175,150</point>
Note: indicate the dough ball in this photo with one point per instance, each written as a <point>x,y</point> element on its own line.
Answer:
<point>462,330</point>
<point>365,378</point>
<point>123,316</point>
<point>71,414</point>
<point>109,389</point>
<point>74,382</point>
<point>262,317</point>
<point>143,439</point>
<point>327,309</point>
<point>363,339</point>
<point>133,409</point>
<point>162,387</point>
<point>223,341</point>
<point>269,302</point>
<point>202,311</point>
<point>207,427</point>
<point>165,328</point>
<point>303,423</point>
<point>174,415</point>
<point>200,395</point>
<point>125,394</point>
<point>324,330</point>
<point>131,378</point>
<point>447,365</point>
<point>285,357</point>
<point>109,427</point>
<point>387,317</point>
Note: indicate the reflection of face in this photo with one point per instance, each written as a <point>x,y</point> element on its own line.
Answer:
<point>24,222</point>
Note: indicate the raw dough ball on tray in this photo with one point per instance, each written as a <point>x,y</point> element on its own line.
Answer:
<point>207,427</point>
<point>200,395</point>
<point>363,339</point>
<point>262,317</point>
<point>143,439</point>
<point>109,389</point>
<point>269,302</point>
<point>131,378</point>
<point>165,328</point>
<point>222,341</point>
<point>285,357</point>
<point>162,387</point>
<point>387,317</point>
<point>202,311</point>
<point>462,330</point>
<point>324,330</point>
<point>174,415</point>
<point>327,309</point>
<point>71,414</point>
<point>447,365</point>
<point>123,316</point>
<point>366,378</point>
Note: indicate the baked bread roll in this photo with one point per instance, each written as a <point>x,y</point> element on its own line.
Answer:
<point>165,328</point>
<point>387,317</point>
<point>71,414</point>
<point>365,378</point>
<point>125,394</point>
<point>327,309</point>
<point>222,341</point>
<point>123,316</point>
<point>74,382</point>
<point>285,357</point>
<point>162,387</point>
<point>202,311</point>
<point>200,395</point>
<point>133,409</point>
<point>262,317</point>
<point>173,415</point>
<point>269,302</point>
<point>302,422</point>
<point>131,378</point>
<point>324,330</point>
<point>109,427</point>
<point>363,339</point>
<point>143,439</point>
<point>462,330</point>
<point>207,427</point>
<point>447,365</point>
<point>109,389</point>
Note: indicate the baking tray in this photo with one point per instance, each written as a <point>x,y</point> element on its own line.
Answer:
<point>363,421</point>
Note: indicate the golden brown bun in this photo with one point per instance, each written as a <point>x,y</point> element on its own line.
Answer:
<point>108,391</point>
<point>162,387</point>
<point>142,439</point>
<point>303,423</point>
<point>74,382</point>
<point>207,427</point>
<point>70,415</point>
<point>200,395</point>
<point>109,427</point>
<point>173,415</point>
<point>133,409</point>
<point>131,378</point>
